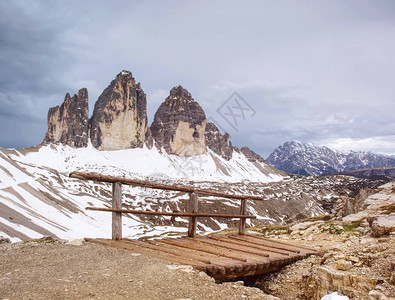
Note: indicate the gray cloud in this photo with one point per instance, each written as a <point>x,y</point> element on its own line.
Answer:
<point>316,71</point>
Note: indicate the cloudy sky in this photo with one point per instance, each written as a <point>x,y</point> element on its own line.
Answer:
<point>314,71</point>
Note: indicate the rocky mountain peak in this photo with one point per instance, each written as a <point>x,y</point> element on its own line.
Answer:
<point>125,74</point>
<point>68,123</point>
<point>67,98</point>
<point>83,93</point>
<point>119,119</point>
<point>217,142</point>
<point>179,124</point>
<point>181,94</point>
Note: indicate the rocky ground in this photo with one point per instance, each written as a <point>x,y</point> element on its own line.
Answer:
<point>45,269</point>
<point>357,251</point>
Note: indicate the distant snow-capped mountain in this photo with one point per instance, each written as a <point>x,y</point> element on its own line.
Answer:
<point>308,159</point>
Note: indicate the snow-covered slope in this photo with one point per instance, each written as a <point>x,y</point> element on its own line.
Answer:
<point>144,162</point>
<point>308,159</point>
<point>38,198</point>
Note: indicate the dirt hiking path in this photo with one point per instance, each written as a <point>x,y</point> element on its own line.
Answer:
<point>53,270</point>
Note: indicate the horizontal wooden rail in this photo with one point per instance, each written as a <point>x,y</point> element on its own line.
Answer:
<point>175,214</point>
<point>192,213</point>
<point>154,185</point>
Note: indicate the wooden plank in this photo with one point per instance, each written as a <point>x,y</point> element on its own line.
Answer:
<point>194,245</point>
<point>116,216</point>
<point>210,264</point>
<point>243,273</point>
<point>154,185</point>
<point>228,263</point>
<point>212,269</point>
<point>283,243</point>
<point>193,208</point>
<point>177,252</point>
<point>224,262</point>
<point>252,244</point>
<point>250,238</point>
<point>190,252</point>
<point>158,213</point>
<point>245,244</point>
<point>233,247</point>
<point>142,250</point>
<point>270,254</point>
<point>243,211</point>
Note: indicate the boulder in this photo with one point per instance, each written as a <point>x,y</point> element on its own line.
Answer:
<point>343,265</point>
<point>68,123</point>
<point>179,124</point>
<point>382,225</point>
<point>119,119</point>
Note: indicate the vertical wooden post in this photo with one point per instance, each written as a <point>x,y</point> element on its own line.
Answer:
<point>116,217</point>
<point>243,211</point>
<point>193,208</point>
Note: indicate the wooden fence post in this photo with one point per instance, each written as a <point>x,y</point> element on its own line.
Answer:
<point>193,208</point>
<point>243,211</point>
<point>116,217</point>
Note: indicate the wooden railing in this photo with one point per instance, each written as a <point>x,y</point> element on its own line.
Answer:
<point>192,213</point>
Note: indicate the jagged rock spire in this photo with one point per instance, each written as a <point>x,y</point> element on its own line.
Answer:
<point>68,123</point>
<point>179,124</point>
<point>217,142</point>
<point>119,119</point>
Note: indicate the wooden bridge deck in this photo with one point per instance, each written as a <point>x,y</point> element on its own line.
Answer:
<point>224,258</point>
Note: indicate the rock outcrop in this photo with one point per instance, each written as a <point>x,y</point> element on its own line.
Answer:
<point>149,140</point>
<point>383,173</point>
<point>382,224</point>
<point>68,123</point>
<point>217,142</point>
<point>251,155</point>
<point>119,119</point>
<point>179,124</point>
<point>356,254</point>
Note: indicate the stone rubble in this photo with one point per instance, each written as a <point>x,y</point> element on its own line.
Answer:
<point>355,258</point>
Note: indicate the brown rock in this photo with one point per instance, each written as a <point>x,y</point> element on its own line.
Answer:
<point>373,295</point>
<point>119,120</point>
<point>179,124</point>
<point>343,265</point>
<point>217,142</point>
<point>149,140</point>
<point>355,205</point>
<point>68,123</point>
<point>251,155</point>
<point>382,225</point>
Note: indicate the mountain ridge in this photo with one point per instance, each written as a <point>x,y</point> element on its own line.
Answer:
<point>119,121</point>
<point>308,159</point>
<point>300,158</point>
